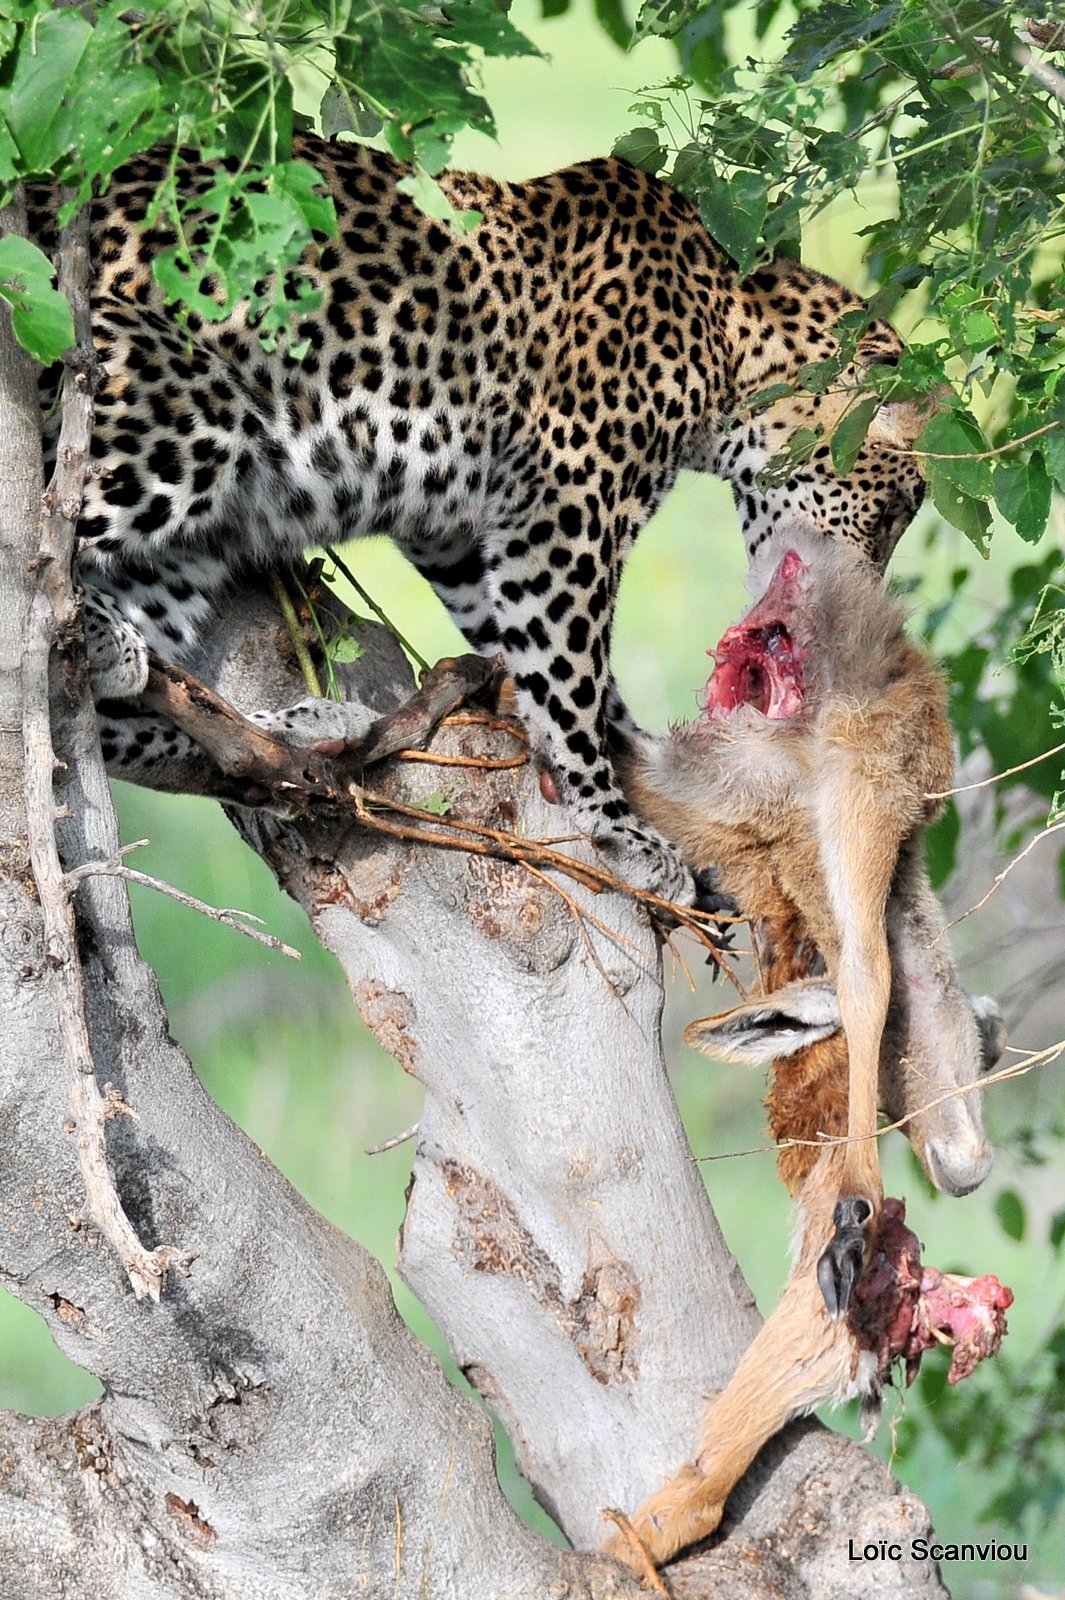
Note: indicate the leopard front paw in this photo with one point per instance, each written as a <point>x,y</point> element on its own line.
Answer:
<point>649,863</point>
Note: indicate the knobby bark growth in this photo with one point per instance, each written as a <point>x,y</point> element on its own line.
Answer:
<point>269,1427</point>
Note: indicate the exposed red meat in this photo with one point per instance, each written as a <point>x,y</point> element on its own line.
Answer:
<point>902,1309</point>
<point>759,661</point>
<point>968,1310</point>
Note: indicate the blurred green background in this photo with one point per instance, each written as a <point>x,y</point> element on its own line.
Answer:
<point>282,1050</point>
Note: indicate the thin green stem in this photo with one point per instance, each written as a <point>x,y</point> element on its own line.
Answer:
<point>368,600</point>
<point>295,630</point>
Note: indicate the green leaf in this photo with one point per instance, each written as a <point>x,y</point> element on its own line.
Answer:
<point>850,432</point>
<point>488,27</point>
<point>972,516</point>
<point>702,47</point>
<point>841,159</point>
<point>1057,1230</point>
<point>179,280</point>
<point>663,17</point>
<point>828,31</point>
<point>437,805</point>
<point>344,649</point>
<point>40,315</point>
<point>46,68</point>
<point>954,437</point>
<point>250,87</point>
<point>691,162</point>
<point>980,330</point>
<point>818,376</point>
<point>766,397</point>
<point>430,198</point>
<point>405,71</point>
<point>1009,1209</point>
<point>303,185</point>
<point>80,103</point>
<point>614,21</point>
<point>1022,493</point>
<point>9,156</point>
<point>643,148</point>
<point>1054,454</point>
<point>971,325</point>
<point>733,210</point>
<point>341,111</point>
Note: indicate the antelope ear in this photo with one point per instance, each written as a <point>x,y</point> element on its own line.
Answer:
<point>991,1028</point>
<point>776,1025</point>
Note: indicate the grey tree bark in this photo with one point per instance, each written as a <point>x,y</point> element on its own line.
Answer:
<point>269,1427</point>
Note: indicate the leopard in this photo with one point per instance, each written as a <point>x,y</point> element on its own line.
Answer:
<point>510,404</point>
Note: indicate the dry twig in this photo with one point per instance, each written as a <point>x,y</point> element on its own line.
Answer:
<point>996,777</point>
<point>646,1569</point>
<point>395,1139</point>
<point>1001,877</point>
<point>114,867</point>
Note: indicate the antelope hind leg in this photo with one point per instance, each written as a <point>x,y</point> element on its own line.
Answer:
<point>687,1509</point>
<point>798,1359</point>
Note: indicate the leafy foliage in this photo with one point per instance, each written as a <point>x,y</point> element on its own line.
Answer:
<point>940,99</point>
<point>78,98</point>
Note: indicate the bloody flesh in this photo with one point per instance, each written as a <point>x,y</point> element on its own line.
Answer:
<point>759,661</point>
<point>902,1309</point>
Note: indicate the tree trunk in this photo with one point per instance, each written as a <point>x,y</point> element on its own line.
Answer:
<point>269,1426</point>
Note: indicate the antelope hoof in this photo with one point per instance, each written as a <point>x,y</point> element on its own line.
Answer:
<point>841,1265</point>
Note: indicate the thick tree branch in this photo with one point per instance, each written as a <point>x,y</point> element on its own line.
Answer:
<point>51,615</point>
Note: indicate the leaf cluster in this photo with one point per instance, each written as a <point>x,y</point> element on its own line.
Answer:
<point>78,97</point>
<point>1007,687</point>
<point>951,117</point>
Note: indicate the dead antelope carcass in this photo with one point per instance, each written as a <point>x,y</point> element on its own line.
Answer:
<point>806,783</point>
